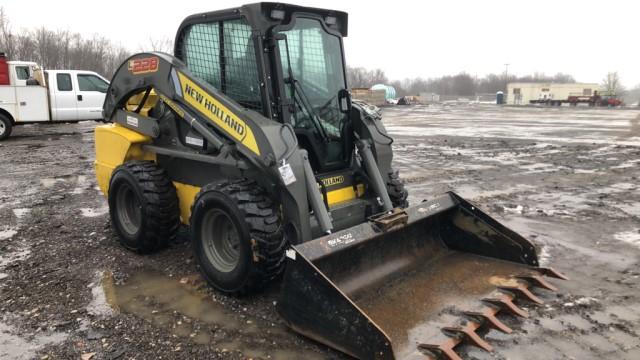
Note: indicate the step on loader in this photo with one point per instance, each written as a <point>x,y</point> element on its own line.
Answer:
<point>248,136</point>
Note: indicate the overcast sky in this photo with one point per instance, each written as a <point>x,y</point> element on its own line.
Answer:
<point>405,38</point>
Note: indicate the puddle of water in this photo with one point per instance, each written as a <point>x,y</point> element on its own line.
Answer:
<point>585,171</point>
<point>103,285</point>
<point>156,297</point>
<point>625,340</point>
<point>7,233</point>
<point>631,237</point>
<point>50,182</point>
<point>178,304</point>
<point>544,256</point>
<point>18,255</point>
<point>551,324</point>
<point>91,212</point>
<point>627,164</point>
<point>624,186</point>
<point>598,342</point>
<point>631,209</point>
<point>558,235</point>
<point>15,347</point>
<point>20,213</point>
<point>81,186</point>
<point>472,192</point>
<point>627,313</point>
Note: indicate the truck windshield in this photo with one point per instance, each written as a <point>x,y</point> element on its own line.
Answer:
<point>312,65</point>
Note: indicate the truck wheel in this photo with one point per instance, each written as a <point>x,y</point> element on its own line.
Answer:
<point>5,127</point>
<point>397,192</point>
<point>143,206</point>
<point>237,237</point>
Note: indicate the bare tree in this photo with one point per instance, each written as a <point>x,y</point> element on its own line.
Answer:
<point>612,85</point>
<point>7,41</point>
<point>60,49</point>
<point>162,45</point>
<point>361,77</point>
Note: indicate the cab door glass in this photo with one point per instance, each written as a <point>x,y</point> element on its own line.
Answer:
<point>64,82</point>
<point>87,82</point>
<point>22,72</point>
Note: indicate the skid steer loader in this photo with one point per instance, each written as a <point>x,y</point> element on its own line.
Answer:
<point>248,136</point>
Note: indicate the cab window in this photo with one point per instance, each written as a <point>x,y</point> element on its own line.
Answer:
<point>64,82</point>
<point>87,82</point>
<point>22,72</point>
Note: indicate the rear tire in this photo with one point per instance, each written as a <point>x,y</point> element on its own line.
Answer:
<point>237,237</point>
<point>397,192</point>
<point>5,127</point>
<point>143,206</point>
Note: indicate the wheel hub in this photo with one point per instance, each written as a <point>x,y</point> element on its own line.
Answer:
<point>221,240</point>
<point>130,210</point>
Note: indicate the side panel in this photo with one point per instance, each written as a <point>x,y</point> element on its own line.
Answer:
<point>63,95</point>
<point>32,104</point>
<point>8,100</point>
<point>186,195</point>
<point>115,145</point>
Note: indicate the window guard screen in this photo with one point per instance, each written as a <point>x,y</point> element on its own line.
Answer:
<point>228,65</point>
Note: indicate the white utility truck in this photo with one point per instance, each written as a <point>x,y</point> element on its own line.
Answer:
<point>30,95</point>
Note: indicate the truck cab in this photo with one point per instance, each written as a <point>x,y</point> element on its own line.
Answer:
<point>30,95</point>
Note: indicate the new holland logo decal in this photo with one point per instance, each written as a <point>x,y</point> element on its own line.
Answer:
<point>218,113</point>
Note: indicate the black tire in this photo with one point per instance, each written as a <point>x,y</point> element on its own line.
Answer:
<point>246,250</point>
<point>397,192</point>
<point>143,206</point>
<point>5,127</point>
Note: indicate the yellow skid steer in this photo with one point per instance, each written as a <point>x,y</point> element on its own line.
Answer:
<point>247,134</point>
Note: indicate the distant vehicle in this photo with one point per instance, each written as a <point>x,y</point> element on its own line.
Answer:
<point>30,95</point>
<point>593,100</point>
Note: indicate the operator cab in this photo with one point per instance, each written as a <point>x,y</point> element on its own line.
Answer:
<point>287,64</point>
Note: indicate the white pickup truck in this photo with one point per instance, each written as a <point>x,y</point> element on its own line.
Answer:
<point>29,95</point>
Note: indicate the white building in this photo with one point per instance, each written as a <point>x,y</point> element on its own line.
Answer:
<point>523,93</point>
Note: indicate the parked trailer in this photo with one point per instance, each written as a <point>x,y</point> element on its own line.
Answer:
<point>592,100</point>
<point>30,95</point>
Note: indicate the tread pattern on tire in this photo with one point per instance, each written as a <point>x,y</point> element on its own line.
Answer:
<point>8,127</point>
<point>161,205</point>
<point>263,220</point>
<point>397,192</point>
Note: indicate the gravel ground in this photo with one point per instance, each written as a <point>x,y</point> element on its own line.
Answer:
<point>565,178</point>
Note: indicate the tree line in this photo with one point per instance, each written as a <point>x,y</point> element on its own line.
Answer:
<point>461,84</point>
<point>61,49</point>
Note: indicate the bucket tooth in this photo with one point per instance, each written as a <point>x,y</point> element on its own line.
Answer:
<point>506,303</point>
<point>466,333</point>
<point>522,290</point>
<point>489,317</point>
<point>537,281</point>
<point>550,272</point>
<point>441,351</point>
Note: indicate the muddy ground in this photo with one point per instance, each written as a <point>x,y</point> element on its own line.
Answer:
<point>565,178</point>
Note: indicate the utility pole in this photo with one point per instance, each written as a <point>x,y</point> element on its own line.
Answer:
<point>506,77</point>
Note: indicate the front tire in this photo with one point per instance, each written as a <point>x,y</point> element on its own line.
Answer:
<point>143,206</point>
<point>237,238</point>
<point>5,127</point>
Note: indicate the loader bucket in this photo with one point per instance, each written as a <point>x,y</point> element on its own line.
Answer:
<point>414,291</point>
